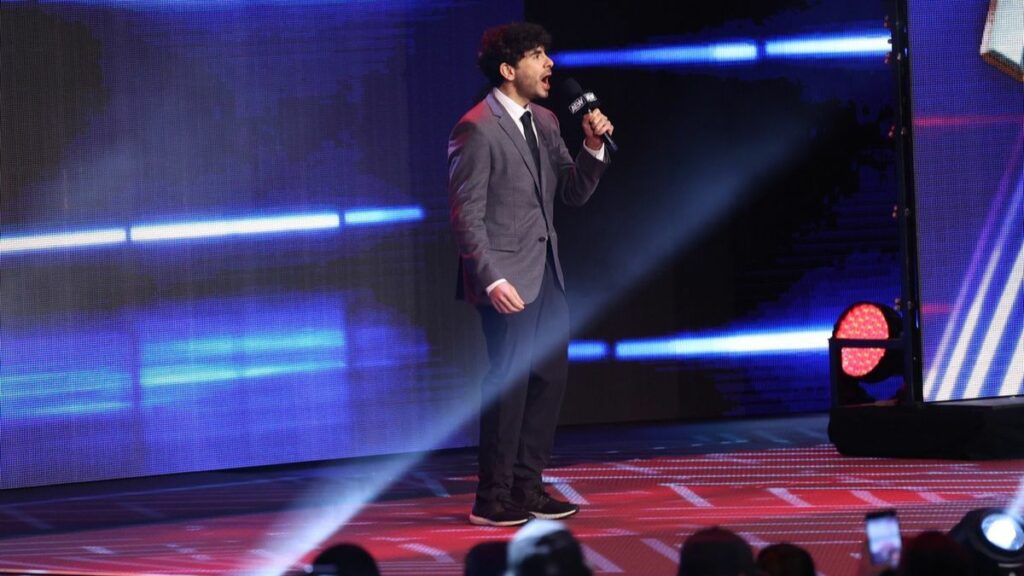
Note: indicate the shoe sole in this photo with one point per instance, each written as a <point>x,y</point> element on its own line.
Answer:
<point>481,521</point>
<point>558,516</point>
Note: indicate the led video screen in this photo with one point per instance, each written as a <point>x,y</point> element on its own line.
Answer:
<point>968,126</point>
<point>223,244</point>
<point>224,232</point>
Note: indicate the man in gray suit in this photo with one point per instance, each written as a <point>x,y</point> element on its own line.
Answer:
<point>506,164</point>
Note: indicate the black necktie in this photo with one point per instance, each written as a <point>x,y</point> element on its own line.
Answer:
<point>531,138</point>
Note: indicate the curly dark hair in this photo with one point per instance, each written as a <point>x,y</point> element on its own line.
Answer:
<point>508,43</point>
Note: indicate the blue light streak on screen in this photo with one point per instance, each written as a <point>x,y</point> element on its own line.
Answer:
<point>829,46</point>
<point>821,46</point>
<point>224,345</point>
<point>290,341</point>
<point>62,240</point>
<point>588,350</point>
<point>64,371</point>
<point>29,394</point>
<point>730,344</point>
<point>383,215</point>
<point>230,357</point>
<point>203,229</point>
<point>718,53</point>
<point>234,227</point>
<point>206,373</point>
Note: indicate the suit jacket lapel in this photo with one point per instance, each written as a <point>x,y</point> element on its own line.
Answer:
<point>545,159</point>
<point>508,124</point>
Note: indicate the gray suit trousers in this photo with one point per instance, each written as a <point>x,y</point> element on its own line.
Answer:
<point>523,390</point>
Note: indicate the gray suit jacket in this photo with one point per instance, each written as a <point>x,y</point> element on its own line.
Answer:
<point>501,208</point>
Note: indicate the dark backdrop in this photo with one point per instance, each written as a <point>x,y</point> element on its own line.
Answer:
<point>751,198</point>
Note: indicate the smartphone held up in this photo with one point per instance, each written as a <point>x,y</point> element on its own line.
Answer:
<point>885,543</point>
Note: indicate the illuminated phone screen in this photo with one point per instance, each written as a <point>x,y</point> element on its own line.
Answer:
<point>884,541</point>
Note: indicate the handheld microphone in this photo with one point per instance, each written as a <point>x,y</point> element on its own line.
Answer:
<point>582,102</point>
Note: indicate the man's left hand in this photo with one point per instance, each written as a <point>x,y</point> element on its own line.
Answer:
<point>595,125</point>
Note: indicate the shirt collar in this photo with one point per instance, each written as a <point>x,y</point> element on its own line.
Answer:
<point>514,110</point>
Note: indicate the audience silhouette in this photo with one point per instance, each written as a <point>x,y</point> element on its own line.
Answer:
<point>934,553</point>
<point>545,548</point>
<point>785,560</point>
<point>345,560</point>
<point>716,552</point>
<point>486,559</point>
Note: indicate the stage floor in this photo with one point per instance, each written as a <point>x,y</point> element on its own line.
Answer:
<point>643,488</point>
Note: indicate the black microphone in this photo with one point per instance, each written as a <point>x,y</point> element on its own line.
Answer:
<point>580,101</point>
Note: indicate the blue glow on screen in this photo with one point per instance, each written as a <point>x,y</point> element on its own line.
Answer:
<point>821,46</point>
<point>205,229</point>
<point>831,46</point>
<point>194,379</point>
<point>588,350</point>
<point>729,344</point>
<point>231,357</point>
<point>207,373</point>
<point>719,53</point>
<point>61,240</point>
<point>383,215</point>
<point>234,227</point>
<point>248,344</point>
<point>63,392</point>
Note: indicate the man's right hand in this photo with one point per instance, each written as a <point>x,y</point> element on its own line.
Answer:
<point>506,300</point>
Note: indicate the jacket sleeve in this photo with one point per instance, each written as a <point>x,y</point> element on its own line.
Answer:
<point>469,167</point>
<point>577,179</point>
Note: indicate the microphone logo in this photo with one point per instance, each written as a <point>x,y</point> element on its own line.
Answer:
<point>576,105</point>
<point>586,100</point>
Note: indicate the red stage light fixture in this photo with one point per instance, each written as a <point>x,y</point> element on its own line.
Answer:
<point>868,321</point>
